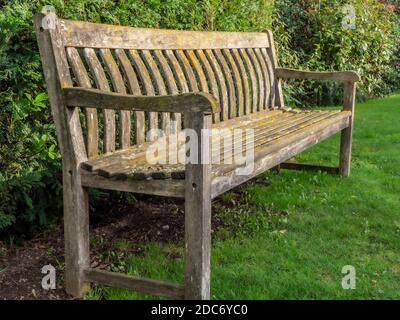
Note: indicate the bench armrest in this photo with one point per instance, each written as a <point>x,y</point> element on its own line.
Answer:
<point>179,103</point>
<point>285,73</point>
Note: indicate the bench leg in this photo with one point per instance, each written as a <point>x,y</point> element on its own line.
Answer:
<point>345,151</point>
<point>347,133</point>
<point>198,214</point>
<point>76,234</point>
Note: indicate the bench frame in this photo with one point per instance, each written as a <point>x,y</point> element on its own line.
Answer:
<point>198,188</point>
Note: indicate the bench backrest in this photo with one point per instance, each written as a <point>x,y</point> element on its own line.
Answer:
<point>236,67</point>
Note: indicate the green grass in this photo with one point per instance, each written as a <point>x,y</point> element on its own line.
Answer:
<point>293,232</point>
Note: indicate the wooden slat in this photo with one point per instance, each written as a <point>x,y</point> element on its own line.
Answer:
<point>260,79</point>
<point>253,79</point>
<point>165,188</point>
<point>271,74</point>
<point>86,34</point>
<point>119,86</point>
<point>79,70</point>
<point>160,85</point>
<point>145,78</point>
<point>221,84</point>
<point>230,84</point>
<point>237,80</point>
<point>308,167</point>
<point>211,78</point>
<point>147,286</point>
<point>281,150</point>
<point>194,62</point>
<point>102,83</point>
<point>134,86</point>
<point>267,81</point>
<point>187,69</point>
<point>245,83</point>
<point>278,94</point>
<point>171,84</point>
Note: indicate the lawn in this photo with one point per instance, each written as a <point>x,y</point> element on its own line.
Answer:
<point>288,235</point>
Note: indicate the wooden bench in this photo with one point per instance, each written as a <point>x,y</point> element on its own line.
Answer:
<point>158,79</point>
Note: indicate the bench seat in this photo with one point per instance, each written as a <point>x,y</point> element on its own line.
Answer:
<point>278,135</point>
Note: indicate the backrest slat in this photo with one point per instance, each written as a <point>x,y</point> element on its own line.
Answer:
<point>253,79</point>
<point>147,85</point>
<point>237,68</point>
<point>238,85</point>
<point>92,127</point>
<point>102,83</point>
<point>260,79</point>
<point>230,85</point>
<point>211,76</point>
<point>171,84</point>
<point>221,84</point>
<point>188,71</point>
<point>267,82</point>
<point>159,85</point>
<point>245,80</point>
<point>134,86</point>
<point>119,86</point>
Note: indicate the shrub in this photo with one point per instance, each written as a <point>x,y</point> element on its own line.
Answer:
<point>29,158</point>
<point>313,31</point>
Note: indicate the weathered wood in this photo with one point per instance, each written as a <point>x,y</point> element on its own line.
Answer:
<point>70,138</point>
<point>119,86</point>
<point>100,78</point>
<point>171,84</point>
<point>285,73</point>
<point>198,214</point>
<point>165,188</point>
<point>143,285</point>
<point>277,99</point>
<point>156,73</point>
<point>260,79</point>
<point>79,70</point>
<point>86,34</point>
<point>185,102</point>
<point>272,155</point>
<point>347,133</point>
<point>308,167</point>
<point>147,85</point>
<point>221,84</point>
<point>134,86</point>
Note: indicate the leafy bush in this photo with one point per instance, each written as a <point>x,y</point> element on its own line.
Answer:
<point>29,158</point>
<point>315,39</point>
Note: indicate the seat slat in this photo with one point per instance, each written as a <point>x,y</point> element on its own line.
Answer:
<point>102,84</point>
<point>92,127</point>
<point>267,131</point>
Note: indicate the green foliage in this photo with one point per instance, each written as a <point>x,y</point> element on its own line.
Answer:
<point>307,38</point>
<point>314,38</point>
<point>29,157</point>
